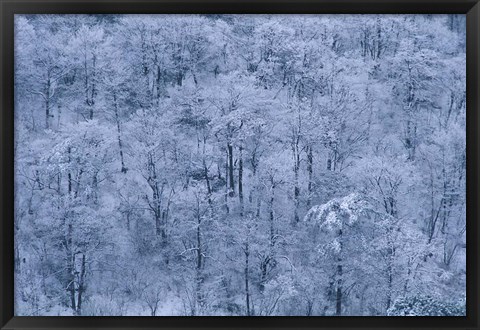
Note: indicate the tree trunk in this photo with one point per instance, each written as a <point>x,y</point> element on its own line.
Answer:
<point>159,83</point>
<point>180,78</point>
<point>271,217</point>
<point>158,219</point>
<point>81,286</point>
<point>70,268</point>
<point>379,40</point>
<point>240,180</point>
<point>157,195</point>
<point>296,188</point>
<point>389,283</point>
<point>79,177</point>
<point>410,140</point>
<point>338,299</point>
<point>95,188</point>
<point>59,114</point>
<point>390,256</point>
<point>296,191</point>
<point>247,289</point>
<point>268,261</point>
<point>47,102</point>
<point>230,170</point>
<point>207,182</point>
<point>119,132</point>
<point>310,176</point>
<point>199,266</point>
<point>90,91</point>
<point>227,168</point>
<point>69,175</point>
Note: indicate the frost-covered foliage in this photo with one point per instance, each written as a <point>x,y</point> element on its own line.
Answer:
<point>253,165</point>
<point>426,306</point>
<point>331,213</point>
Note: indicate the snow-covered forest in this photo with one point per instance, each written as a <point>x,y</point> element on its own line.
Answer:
<point>255,165</point>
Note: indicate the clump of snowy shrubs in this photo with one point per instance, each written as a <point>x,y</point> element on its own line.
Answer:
<point>426,306</point>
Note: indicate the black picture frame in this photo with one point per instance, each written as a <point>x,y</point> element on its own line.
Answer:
<point>9,8</point>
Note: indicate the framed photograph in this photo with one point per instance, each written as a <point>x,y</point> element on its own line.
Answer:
<point>251,164</point>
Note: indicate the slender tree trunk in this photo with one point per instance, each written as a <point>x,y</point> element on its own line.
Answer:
<point>240,180</point>
<point>411,127</point>
<point>296,189</point>
<point>159,83</point>
<point>310,176</point>
<point>59,113</point>
<point>199,266</point>
<point>227,174</point>
<point>157,195</point>
<point>119,132</point>
<point>263,273</point>
<point>47,102</point>
<point>95,188</point>
<point>195,80</point>
<point>94,92</point>
<point>86,82</point>
<point>163,224</point>
<point>70,268</point>
<point>128,220</point>
<point>247,271</point>
<point>445,198</point>
<point>207,182</point>
<point>69,253</point>
<point>338,299</point>
<point>180,78</point>
<point>81,286</point>
<point>296,170</point>
<point>390,255</point>
<point>90,89</point>
<point>69,175</point>
<point>269,260</point>
<point>79,178</point>
<point>230,170</point>
<point>410,140</point>
<point>259,205</point>
<point>379,40</point>
<point>389,284</point>
<point>158,217</point>
<point>271,214</point>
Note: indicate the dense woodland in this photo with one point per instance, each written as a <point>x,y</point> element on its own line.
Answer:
<point>249,165</point>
